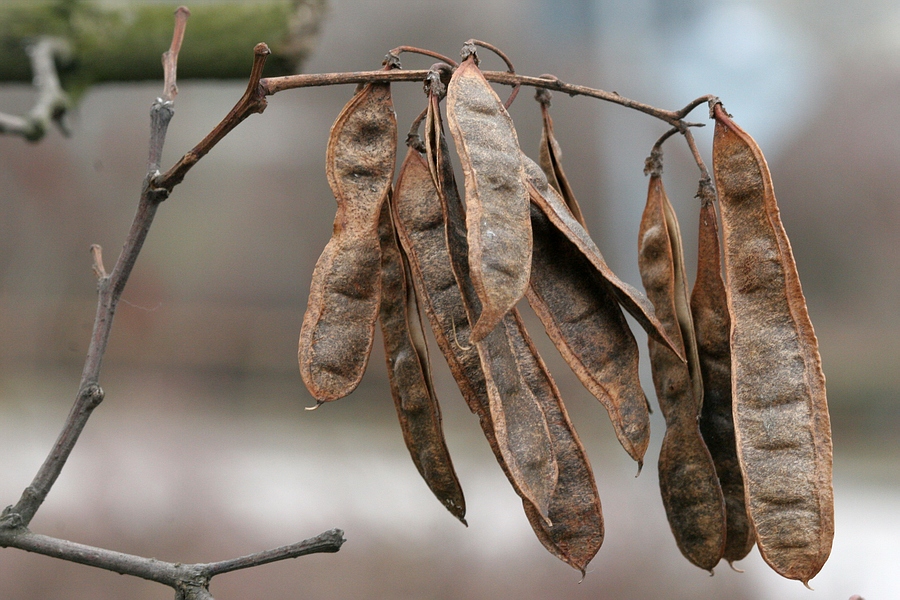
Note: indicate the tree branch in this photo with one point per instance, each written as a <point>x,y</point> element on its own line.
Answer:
<point>188,580</point>
<point>52,102</point>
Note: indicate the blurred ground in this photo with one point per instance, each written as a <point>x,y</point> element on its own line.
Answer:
<point>202,450</point>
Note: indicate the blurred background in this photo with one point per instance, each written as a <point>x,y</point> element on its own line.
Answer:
<point>202,449</point>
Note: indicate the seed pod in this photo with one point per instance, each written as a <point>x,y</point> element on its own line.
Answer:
<point>520,426</point>
<point>712,325</point>
<point>409,373</point>
<point>572,529</point>
<point>574,507</point>
<point>553,207</point>
<point>550,159</point>
<point>497,222</point>
<point>780,410</point>
<point>687,476</point>
<point>339,324</point>
<point>577,527</point>
<point>585,322</point>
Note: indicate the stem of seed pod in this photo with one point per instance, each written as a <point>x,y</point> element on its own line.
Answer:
<point>395,53</point>
<point>689,138</point>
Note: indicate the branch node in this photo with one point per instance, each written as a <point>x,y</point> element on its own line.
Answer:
<point>93,394</point>
<point>11,520</point>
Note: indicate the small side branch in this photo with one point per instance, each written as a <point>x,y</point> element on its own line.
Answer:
<point>330,541</point>
<point>253,101</point>
<point>52,102</point>
<point>188,580</point>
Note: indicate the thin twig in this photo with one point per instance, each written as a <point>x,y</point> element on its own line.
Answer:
<point>52,102</point>
<point>273,85</point>
<point>689,138</point>
<point>170,57</point>
<point>329,541</point>
<point>97,255</point>
<point>395,53</point>
<point>163,109</point>
<point>90,395</point>
<point>253,101</point>
<point>175,575</point>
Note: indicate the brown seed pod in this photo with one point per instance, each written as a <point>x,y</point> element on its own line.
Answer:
<point>712,325</point>
<point>409,373</point>
<point>687,476</point>
<point>583,318</point>
<point>520,426</point>
<point>574,507</point>
<point>632,300</point>
<point>550,157</point>
<point>497,222</point>
<point>780,410</point>
<point>575,532</point>
<point>339,324</point>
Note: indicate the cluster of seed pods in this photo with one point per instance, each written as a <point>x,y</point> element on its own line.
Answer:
<point>746,456</point>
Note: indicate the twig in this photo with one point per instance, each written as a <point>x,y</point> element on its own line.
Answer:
<point>190,581</point>
<point>52,102</point>
<point>273,85</point>
<point>186,579</point>
<point>111,286</point>
<point>689,138</point>
<point>253,101</point>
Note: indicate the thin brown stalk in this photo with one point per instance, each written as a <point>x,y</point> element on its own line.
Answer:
<point>253,101</point>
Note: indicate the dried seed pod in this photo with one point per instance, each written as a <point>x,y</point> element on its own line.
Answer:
<point>583,318</point>
<point>550,159</point>
<point>574,507</point>
<point>497,222</point>
<point>687,476</point>
<point>572,528</point>
<point>712,325</point>
<point>409,373</point>
<point>339,324</point>
<point>632,300</point>
<point>519,424</point>
<point>780,410</point>
<point>521,439</point>
<point>577,529</point>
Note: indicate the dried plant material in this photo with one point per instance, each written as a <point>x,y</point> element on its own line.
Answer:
<point>520,426</point>
<point>575,532</point>
<point>572,528</point>
<point>712,324</point>
<point>497,222</point>
<point>339,324</point>
<point>574,507</point>
<point>409,373</point>
<point>550,158</point>
<point>780,410</point>
<point>632,300</point>
<point>583,318</point>
<point>687,476</point>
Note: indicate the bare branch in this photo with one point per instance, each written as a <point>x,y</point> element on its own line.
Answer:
<point>273,85</point>
<point>110,290</point>
<point>170,57</point>
<point>253,101</point>
<point>52,102</point>
<point>97,255</point>
<point>330,541</point>
<point>189,580</point>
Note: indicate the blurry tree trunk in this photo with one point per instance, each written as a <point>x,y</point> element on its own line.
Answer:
<point>124,42</point>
